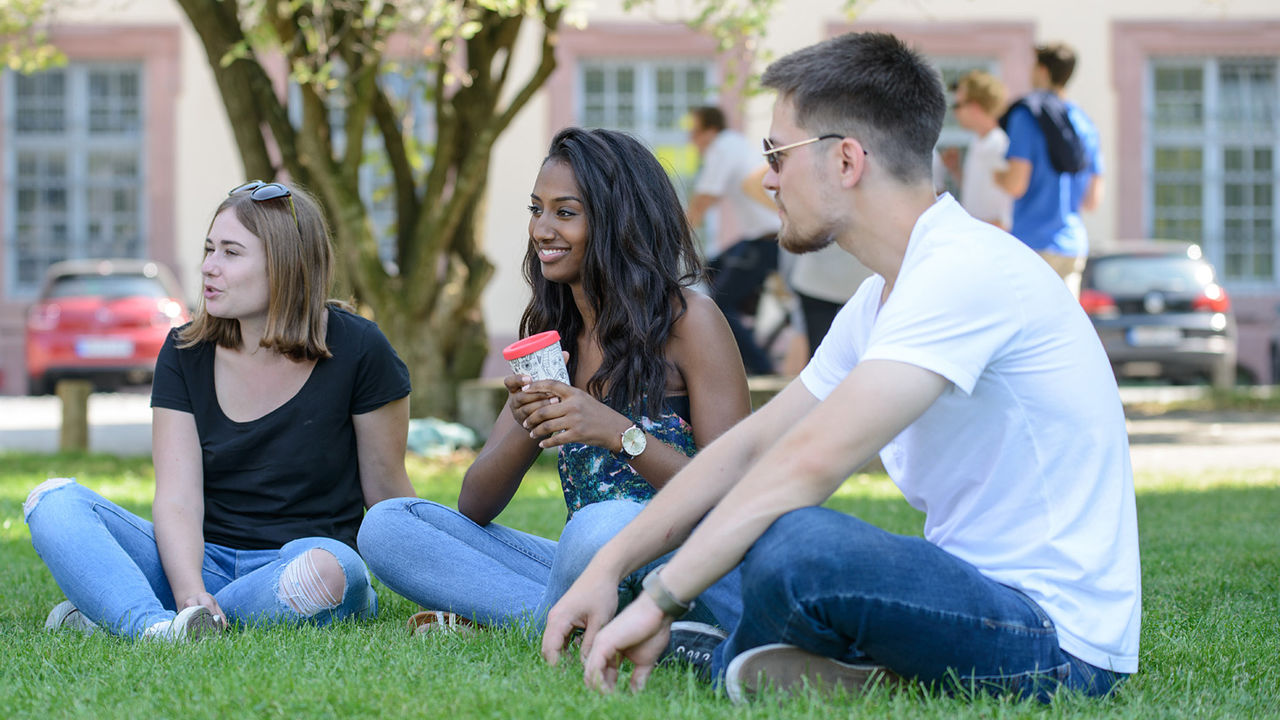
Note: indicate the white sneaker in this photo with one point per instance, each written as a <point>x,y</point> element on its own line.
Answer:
<point>65,616</point>
<point>787,668</point>
<point>190,624</point>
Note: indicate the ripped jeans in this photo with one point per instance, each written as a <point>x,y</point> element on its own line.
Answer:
<point>105,560</point>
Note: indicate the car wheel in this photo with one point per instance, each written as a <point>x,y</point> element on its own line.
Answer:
<point>1275,362</point>
<point>39,385</point>
<point>1223,375</point>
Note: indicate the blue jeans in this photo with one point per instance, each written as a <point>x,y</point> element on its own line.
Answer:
<point>440,559</point>
<point>839,587</point>
<point>105,560</point>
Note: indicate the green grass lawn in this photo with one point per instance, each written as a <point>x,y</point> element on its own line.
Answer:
<point>1210,638</point>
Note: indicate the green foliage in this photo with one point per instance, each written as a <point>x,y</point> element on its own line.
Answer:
<point>24,41</point>
<point>1211,581</point>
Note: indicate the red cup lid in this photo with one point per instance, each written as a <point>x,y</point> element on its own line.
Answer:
<point>530,345</point>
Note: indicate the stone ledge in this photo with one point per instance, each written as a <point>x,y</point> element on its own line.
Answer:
<point>480,401</point>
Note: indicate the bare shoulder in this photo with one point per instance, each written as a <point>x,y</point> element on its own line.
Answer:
<point>700,329</point>
<point>700,313</point>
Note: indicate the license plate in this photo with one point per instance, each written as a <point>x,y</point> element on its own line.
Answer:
<point>104,348</point>
<point>1154,335</point>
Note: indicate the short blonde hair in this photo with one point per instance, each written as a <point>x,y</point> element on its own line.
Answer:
<point>299,275</point>
<point>984,89</point>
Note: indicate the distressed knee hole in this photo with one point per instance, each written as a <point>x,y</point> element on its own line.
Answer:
<point>38,492</point>
<point>312,582</point>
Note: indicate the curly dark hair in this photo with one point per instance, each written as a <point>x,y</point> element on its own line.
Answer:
<point>639,254</point>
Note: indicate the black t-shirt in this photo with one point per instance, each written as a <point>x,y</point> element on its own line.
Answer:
<point>292,473</point>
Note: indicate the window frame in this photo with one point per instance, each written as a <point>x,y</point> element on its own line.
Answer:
<point>1135,45</point>
<point>158,49</point>
<point>76,142</point>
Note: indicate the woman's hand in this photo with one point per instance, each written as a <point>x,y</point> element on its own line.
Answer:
<point>524,401</point>
<point>207,600</point>
<point>566,414</point>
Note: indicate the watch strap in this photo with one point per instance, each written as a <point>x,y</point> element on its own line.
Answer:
<point>662,597</point>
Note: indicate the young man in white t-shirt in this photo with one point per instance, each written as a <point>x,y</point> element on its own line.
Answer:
<point>984,388</point>
<point>979,101</point>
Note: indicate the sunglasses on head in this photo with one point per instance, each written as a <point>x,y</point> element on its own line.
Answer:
<point>263,191</point>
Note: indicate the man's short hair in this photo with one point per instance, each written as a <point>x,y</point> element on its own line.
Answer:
<point>984,89</point>
<point>1059,59</point>
<point>708,117</point>
<point>869,86</point>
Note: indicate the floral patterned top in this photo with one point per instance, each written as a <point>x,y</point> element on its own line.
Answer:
<point>591,474</point>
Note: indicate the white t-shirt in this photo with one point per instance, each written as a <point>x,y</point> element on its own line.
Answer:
<point>727,162</point>
<point>979,193</point>
<point>1022,465</point>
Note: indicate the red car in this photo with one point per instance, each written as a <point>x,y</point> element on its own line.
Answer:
<point>103,320</point>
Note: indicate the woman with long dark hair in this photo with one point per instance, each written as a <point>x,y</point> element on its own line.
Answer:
<point>655,376</point>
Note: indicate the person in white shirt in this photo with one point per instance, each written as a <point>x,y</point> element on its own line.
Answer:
<point>737,270</point>
<point>979,102</point>
<point>984,388</point>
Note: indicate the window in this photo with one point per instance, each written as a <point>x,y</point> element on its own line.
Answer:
<point>75,136</point>
<point>407,90</point>
<point>952,135</point>
<point>1214,133</point>
<point>649,99</point>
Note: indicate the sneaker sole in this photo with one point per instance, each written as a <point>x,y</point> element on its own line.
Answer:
<point>197,622</point>
<point>57,621</point>
<point>58,614</point>
<point>787,668</point>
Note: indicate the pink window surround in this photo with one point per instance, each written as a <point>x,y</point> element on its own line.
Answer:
<point>615,41</point>
<point>158,48</point>
<point>1009,43</point>
<point>1133,44</point>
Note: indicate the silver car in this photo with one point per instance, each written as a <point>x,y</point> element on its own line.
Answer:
<point>1160,312</point>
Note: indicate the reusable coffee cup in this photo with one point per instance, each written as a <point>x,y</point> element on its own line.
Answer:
<point>538,356</point>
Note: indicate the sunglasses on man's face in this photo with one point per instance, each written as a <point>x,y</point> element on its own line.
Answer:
<point>773,153</point>
<point>262,191</point>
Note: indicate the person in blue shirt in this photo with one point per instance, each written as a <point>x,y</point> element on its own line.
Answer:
<point>1047,202</point>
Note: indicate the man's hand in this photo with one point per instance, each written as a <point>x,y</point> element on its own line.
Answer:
<point>590,603</point>
<point>639,634</point>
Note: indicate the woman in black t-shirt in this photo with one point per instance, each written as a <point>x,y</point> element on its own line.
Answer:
<point>278,417</point>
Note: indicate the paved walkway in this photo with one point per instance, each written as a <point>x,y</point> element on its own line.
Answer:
<point>121,423</point>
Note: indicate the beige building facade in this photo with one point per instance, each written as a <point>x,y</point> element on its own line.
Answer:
<point>127,150</point>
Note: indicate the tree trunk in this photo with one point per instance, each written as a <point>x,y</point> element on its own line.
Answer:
<point>440,352</point>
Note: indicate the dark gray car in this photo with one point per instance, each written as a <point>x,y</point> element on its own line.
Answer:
<point>1160,312</point>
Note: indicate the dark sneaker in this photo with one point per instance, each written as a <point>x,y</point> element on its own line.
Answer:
<point>65,616</point>
<point>787,668</point>
<point>692,643</point>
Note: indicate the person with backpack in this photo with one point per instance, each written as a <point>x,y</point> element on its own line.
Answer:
<point>1055,166</point>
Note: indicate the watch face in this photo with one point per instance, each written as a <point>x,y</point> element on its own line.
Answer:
<point>633,441</point>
